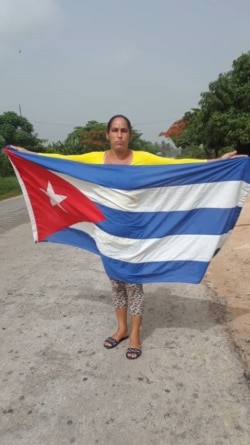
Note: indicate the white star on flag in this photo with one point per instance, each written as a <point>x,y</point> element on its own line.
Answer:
<point>55,199</point>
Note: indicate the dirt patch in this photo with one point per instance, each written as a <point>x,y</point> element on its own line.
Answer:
<point>229,277</point>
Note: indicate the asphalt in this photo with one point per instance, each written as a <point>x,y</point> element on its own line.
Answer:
<point>60,386</point>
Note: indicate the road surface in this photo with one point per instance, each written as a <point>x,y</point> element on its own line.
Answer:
<point>60,386</point>
<point>12,213</point>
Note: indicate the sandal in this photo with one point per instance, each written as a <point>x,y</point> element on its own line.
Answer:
<point>133,353</point>
<point>112,342</point>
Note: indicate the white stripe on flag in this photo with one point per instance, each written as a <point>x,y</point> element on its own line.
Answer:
<point>27,202</point>
<point>166,199</point>
<point>169,248</point>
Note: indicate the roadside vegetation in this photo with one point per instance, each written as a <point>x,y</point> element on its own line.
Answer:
<point>9,187</point>
<point>219,124</point>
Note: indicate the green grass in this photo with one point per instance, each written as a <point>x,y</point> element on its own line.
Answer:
<point>9,187</point>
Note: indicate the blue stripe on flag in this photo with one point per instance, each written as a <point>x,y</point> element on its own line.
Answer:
<point>127,177</point>
<point>139,225</point>
<point>74,237</point>
<point>167,271</point>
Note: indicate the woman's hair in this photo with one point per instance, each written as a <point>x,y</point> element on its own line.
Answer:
<point>121,116</point>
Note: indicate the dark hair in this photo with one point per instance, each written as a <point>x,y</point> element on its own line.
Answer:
<point>243,149</point>
<point>123,117</point>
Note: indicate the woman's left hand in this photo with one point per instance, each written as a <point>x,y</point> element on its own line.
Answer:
<point>231,155</point>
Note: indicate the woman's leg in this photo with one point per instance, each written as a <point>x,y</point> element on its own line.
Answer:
<point>120,302</point>
<point>136,303</point>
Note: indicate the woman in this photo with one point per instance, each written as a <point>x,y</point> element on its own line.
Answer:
<point>126,295</point>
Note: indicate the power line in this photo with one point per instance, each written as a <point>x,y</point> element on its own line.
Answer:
<point>54,124</point>
<point>58,124</point>
<point>155,122</point>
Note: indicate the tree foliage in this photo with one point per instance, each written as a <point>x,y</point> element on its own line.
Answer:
<point>176,129</point>
<point>223,117</point>
<point>91,137</point>
<point>16,130</point>
<point>225,108</point>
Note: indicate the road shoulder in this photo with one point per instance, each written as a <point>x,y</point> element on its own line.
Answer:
<point>228,278</point>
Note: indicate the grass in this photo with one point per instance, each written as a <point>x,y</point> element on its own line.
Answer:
<point>9,187</point>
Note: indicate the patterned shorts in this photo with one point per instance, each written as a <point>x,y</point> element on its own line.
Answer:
<point>124,294</point>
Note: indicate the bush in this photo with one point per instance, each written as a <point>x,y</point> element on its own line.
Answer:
<point>9,187</point>
<point>6,168</point>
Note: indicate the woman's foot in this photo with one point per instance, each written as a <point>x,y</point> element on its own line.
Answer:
<point>134,351</point>
<point>114,340</point>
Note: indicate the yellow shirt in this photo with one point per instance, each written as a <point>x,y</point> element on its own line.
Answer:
<point>139,158</point>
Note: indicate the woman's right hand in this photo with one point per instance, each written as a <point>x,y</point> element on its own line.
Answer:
<point>21,149</point>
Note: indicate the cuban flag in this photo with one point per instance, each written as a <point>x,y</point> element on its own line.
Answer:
<point>161,223</point>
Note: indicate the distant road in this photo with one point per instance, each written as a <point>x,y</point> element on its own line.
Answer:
<point>13,212</point>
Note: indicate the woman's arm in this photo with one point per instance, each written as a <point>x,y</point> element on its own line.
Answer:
<point>23,150</point>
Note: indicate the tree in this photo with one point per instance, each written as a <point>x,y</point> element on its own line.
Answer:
<point>137,143</point>
<point>16,130</point>
<point>222,120</point>
<point>185,133</point>
<point>225,108</point>
<point>176,129</point>
<point>91,137</point>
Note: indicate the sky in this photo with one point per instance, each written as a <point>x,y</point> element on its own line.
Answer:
<point>66,62</point>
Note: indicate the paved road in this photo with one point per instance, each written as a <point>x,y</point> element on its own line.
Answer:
<point>12,213</point>
<point>59,386</point>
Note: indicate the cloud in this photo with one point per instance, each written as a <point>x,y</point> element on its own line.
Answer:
<point>18,16</point>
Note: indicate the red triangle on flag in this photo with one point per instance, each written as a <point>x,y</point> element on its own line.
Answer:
<point>56,203</point>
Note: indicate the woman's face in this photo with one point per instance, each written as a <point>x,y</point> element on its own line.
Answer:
<point>119,135</point>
